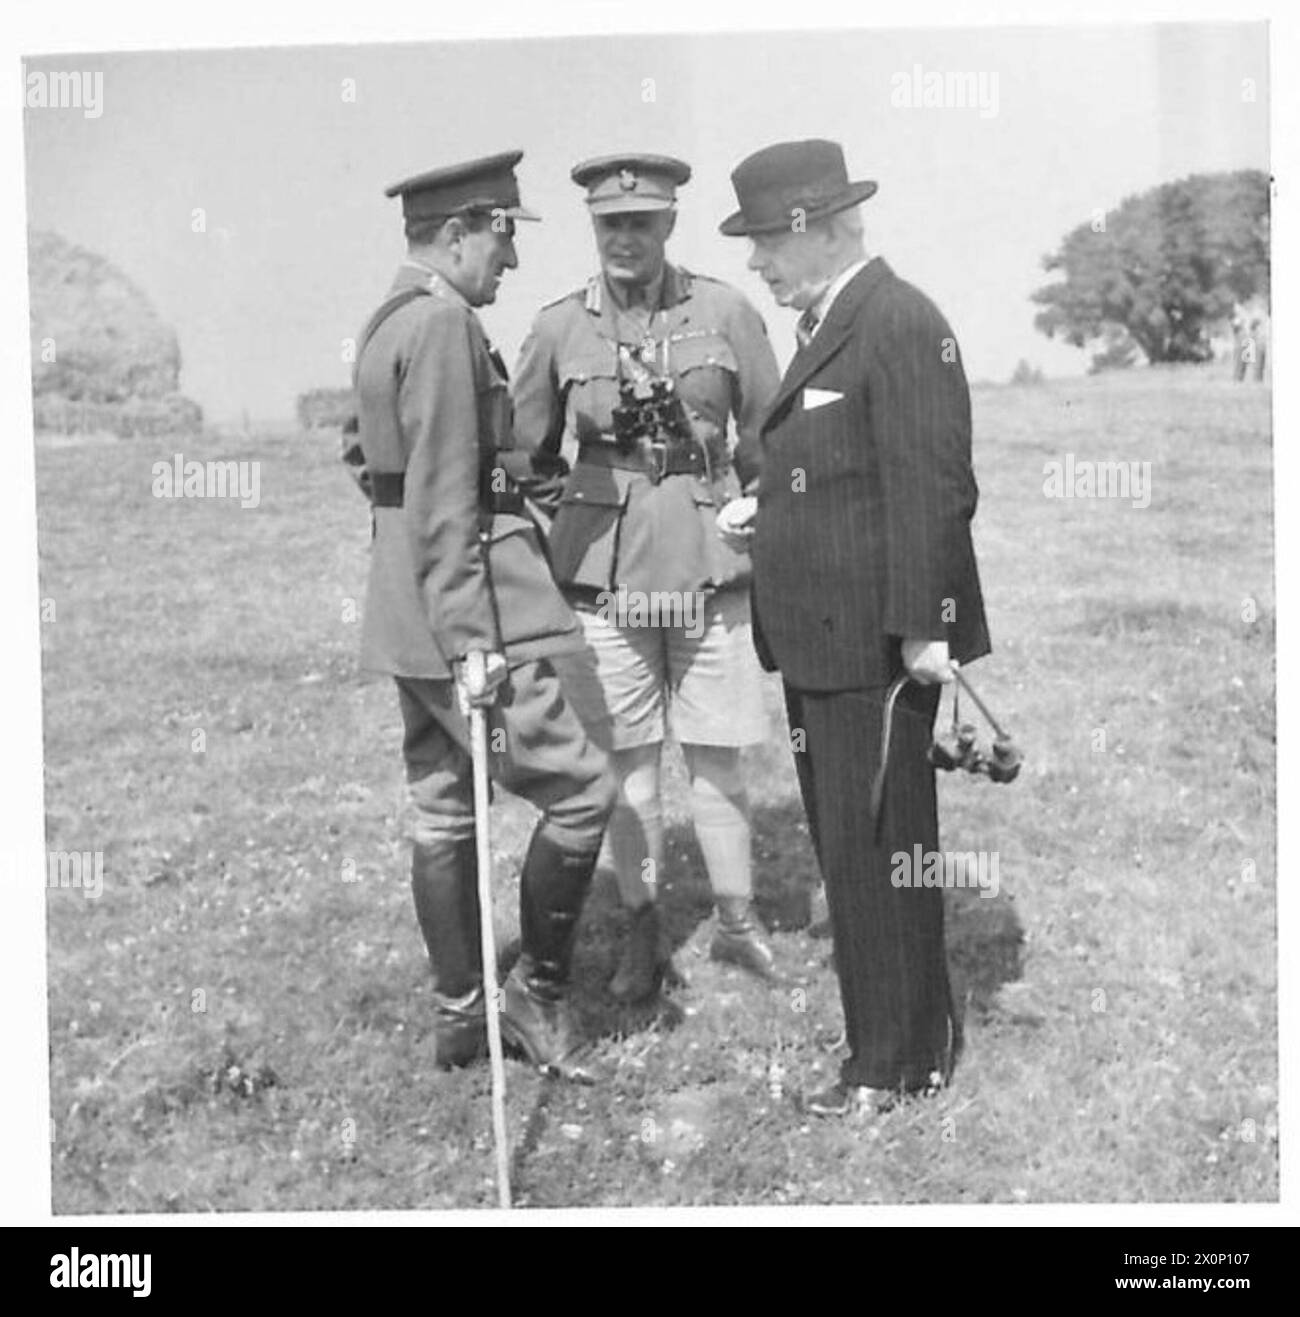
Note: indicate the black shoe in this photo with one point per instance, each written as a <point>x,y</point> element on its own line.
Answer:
<point>842,1099</point>
<point>540,1025</point>
<point>850,1100</point>
<point>459,1030</point>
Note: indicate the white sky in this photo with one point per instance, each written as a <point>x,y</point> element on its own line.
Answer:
<point>301,243</point>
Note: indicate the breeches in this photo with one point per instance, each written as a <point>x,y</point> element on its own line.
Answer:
<point>537,749</point>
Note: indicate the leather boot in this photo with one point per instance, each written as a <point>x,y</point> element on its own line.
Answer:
<point>459,1029</point>
<point>646,963</point>
<point>537,1021</point>
<point>739,939</point>
<point>535,1013</point>
<point>444,883</point>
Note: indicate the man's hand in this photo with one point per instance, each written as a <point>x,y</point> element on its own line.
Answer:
<point>478,678</point>
<point>736,523</point>
<point>927,661</point>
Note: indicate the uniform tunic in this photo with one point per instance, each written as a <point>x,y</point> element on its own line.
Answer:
<point>620,527</point>
<point>448,575</point>
<point>434,404</point>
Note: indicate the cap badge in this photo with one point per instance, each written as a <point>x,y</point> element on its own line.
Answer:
<point>627,180</point>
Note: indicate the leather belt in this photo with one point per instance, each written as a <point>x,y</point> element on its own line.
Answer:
<point>387,490</point>
<point>665,460</point>
<point>508,500</point>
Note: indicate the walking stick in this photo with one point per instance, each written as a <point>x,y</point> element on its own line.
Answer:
<point>476,665</point>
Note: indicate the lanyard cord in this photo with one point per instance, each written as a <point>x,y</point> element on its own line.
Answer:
<point>648,337</point>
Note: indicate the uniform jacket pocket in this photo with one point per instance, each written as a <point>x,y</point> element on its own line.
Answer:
<point>726,567</point>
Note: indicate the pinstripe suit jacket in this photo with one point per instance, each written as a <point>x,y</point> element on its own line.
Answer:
<point>867,494</point>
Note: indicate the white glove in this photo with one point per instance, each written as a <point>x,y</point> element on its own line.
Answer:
<point>927,661</point>
<point>736,522</point>
<point>478,678</point>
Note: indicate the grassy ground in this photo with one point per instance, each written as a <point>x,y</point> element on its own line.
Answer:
<point>241,1021</point>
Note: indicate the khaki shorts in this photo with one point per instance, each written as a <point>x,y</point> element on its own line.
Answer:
<point>698,675</point>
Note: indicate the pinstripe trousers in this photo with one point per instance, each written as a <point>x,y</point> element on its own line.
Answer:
<point>889,943</point>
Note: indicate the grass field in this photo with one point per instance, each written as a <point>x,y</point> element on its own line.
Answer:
<point>241,1020</point>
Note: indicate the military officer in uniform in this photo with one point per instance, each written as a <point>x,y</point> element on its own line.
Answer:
<point>456,568</point>
<point>634,378</point>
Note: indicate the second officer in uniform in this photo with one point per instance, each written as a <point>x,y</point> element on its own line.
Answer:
<point>634,378</point>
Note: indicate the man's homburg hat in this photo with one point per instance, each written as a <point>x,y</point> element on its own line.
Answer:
<point>792,180</point>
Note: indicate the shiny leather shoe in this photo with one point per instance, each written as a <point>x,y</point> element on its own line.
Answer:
<point>842,1099</point>
<point>850,1100</point>
<point>540,1025</point>
<point>459,1030</point>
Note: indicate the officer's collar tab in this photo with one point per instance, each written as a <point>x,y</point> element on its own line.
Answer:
<point>677,287</point>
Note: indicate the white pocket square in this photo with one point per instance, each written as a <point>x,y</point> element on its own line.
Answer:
<point>819,398</point>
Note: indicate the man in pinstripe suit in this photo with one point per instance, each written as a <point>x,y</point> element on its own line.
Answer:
<point>863,570</point>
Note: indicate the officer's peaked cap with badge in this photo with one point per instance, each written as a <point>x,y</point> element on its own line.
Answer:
<point>806,179</point>
<point>622,183</point>
<point>487,184</point>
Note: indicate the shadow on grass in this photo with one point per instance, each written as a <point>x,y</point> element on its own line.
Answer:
<point>985,940</point>
<point>534,1128</point>
<point>984,934</point>
<point>685,905</point>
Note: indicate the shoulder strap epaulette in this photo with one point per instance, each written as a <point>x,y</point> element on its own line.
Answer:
<point>395,303</point>
<point>695,277</point>
<point>564,297</point>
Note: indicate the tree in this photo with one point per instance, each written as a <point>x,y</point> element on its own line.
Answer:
<point>1161,271</point>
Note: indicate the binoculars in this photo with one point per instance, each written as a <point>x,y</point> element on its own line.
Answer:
<point>951,750</point>
<point>659,416</point>
<point>959,746</point>
<point>958,749</point>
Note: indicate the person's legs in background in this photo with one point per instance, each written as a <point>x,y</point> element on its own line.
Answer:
<point>716,696</point>
<point>720,812</point>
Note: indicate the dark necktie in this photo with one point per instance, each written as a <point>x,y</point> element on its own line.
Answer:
<point>806,327</point>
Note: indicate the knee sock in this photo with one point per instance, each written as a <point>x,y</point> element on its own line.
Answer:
<point>636,827</point>
<point>720,810</point>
